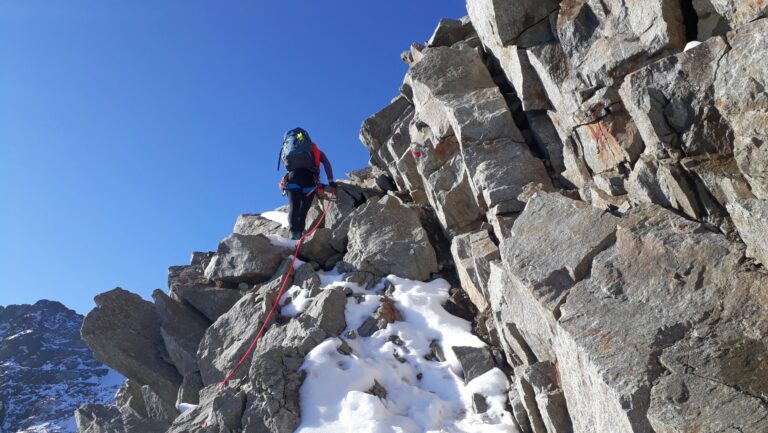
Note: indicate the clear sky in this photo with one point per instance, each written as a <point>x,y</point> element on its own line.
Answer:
<point>134,132</point>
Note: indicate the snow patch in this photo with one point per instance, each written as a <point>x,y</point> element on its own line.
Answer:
<point>19,334</point>
<point>277,216</point>
<point>280,241</point>
<point>421,395</point>
<point>691,45</point>
<point>184,407</point>
<point>299,301</point>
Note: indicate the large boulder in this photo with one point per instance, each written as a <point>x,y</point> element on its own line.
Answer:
<point>604,39</point>
<point>243,258</point>
<point>318,247</point>
<point>501,169</point>
<point>402,165</point>
<point>671,101</point>
<point>349,195</point>
<point>665,183</point>
<point>551,249</point>
<point>189,391</point>
<point>664,299</point>
<point>607,136</point>
<point>474,361</point>
<point>182,329</point>
<point>226,341</point>
<point>553,70</point>
<point>634,318</point>
<point>158,410</point>
<point>211,301</point>
<point>501,22</point>
<point>123,331</point>
<point>721,178</point>
<point>455,95</point>
<point>378,246</point>
<point>219,411</point>
<point>541,264</point>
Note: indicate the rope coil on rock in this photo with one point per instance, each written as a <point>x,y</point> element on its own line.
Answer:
<point>272,310</point>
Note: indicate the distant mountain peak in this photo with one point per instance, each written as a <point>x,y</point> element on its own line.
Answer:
<point>46,370</point>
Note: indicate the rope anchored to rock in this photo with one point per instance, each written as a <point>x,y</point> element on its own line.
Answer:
<point>275,304</point>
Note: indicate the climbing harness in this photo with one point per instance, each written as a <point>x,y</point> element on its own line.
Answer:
<point>275,304</point>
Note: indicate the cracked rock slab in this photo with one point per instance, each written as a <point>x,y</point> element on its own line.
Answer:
<point>740,94</point>
<point>124,332</point>
<point>243,258</point>
<point>751,219</point>
<point>663,280</point>
<point>672,103</point>
<point>378,246</point>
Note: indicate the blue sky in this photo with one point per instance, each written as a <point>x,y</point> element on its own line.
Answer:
<point>133,133</point>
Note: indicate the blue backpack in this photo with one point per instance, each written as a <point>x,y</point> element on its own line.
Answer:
<point>297,151</point>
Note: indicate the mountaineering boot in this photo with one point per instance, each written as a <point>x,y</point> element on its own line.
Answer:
<point>295,236</point>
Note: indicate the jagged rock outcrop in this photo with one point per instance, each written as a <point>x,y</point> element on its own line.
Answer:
<point>182,329</point>
<point>379,247</point>
<point>124,332</point>
<point>245,259</point>
<point>642,127</point>
<point>596,193</point>
<point>227,340</point>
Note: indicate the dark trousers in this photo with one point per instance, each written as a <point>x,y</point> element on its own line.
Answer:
<point>300,204</point>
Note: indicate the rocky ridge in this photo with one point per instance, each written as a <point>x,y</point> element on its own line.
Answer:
<point>594,193</point>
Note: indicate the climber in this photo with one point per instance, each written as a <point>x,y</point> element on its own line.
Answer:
<point>302,158</point>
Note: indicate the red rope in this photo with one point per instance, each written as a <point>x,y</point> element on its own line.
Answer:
<point>277,300</point>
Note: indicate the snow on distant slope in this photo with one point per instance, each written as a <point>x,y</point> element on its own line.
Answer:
<point>46,370</point>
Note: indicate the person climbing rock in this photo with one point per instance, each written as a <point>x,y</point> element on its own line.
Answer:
<point>302,158</point>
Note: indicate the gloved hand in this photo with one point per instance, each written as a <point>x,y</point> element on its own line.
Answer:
<point>332,187</point>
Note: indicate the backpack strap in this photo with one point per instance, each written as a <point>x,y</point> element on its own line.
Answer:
<point>317,154</point>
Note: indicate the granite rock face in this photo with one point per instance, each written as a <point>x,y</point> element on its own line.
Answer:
<point>620,280</point>
<point>595,191</point>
